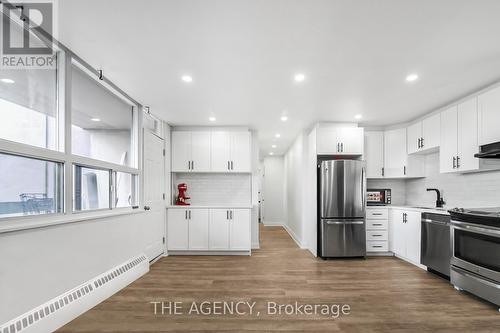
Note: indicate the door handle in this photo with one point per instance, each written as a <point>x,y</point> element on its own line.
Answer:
<point>338,147</point>
<point>192,165</point>
<point>458,162</point>
<point>227,215</point>
<point>228,165</point>
<point>186,215</point>
<point>232,167</point>
<point>404,170</point>
<point>231,214</point>
<point>342,147</point>
<point>189,165</point>
<point>189,215</point>
<point>454,162</point>
<point>344,222</point>
<point>147,208</point>
<point>422,143</point>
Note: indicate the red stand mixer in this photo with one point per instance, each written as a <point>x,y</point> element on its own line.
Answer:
<point>181,198</point>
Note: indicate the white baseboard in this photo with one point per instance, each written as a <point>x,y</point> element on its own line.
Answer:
<point>273,223</point>
<point>62,309</point>
<point>209,253</point>
<point>294,236</point>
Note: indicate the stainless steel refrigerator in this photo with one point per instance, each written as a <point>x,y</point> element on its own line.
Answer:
<point>342,208</point>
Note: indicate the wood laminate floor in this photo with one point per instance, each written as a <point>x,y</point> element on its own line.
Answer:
<point>384,295</point>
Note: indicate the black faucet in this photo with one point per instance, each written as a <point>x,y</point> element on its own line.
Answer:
<point>439,201</point>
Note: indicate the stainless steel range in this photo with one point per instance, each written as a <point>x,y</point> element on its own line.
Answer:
<point>475,245</point>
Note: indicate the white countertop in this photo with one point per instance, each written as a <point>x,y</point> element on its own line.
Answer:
<point>210,207</point>
<point>443,211</point>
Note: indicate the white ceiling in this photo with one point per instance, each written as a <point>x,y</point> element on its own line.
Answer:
<point>242,55</point>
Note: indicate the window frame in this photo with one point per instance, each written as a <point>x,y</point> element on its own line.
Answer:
<point>63,153</point>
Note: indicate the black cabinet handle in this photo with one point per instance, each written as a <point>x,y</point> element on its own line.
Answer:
<point>147,208</point>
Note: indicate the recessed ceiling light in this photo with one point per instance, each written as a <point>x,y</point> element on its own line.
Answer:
<point>273,146</point>
<point>212,118</point>
<point>299,77</point>
<point>95,119</point>
<point>412,77</point>
<point>284,118</point>
<point>358,116</point>
<point>187,78</point>
<point>277,135</point>
<point>10,81</point>
<point>271,153</point>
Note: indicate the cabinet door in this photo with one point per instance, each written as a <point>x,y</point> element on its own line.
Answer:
<point>181,151</point>
<point>218,229</point>
<point>200,151</point>
<point>198,229</point>
<point>351,140</point>
<point>239,230</point>
<point>489,117</point>
<point>220,151</point>
<point>398,234</point>
<point>468,136</point>
<point>241,152</point>
<point>431,127</point>
<point>374,154</point>
<point>326,142</point>
<point>449,140</point>
<point>177,229</point>
<point>395,152</point>
<point>414,134</point>
<point>413,240</point>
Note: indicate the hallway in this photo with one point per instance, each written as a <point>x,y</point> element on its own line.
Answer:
<point>384,294</point>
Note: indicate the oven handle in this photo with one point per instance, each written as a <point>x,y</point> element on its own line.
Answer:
<point>474,228</point>
<point>473,276</point>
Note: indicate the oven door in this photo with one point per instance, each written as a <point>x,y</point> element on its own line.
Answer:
<point>476,249</point>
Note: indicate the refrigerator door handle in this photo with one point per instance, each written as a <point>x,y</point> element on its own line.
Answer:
<point>344,222</point>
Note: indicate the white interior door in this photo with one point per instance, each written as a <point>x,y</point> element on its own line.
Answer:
<point>154,189</point>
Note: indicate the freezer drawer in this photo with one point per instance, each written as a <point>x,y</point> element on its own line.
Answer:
<point>343,238</point>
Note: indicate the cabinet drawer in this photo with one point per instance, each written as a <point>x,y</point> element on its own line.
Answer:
<point>377,214</point>
<point>377,224</point>
<point>375,235</point>
<point>374,246</point>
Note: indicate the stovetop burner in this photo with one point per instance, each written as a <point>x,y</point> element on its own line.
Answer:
<point>484,216</point>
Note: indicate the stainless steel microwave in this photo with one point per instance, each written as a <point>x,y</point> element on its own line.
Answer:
<point>378,197</point>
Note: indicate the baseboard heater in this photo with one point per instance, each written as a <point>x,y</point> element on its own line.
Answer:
<point>61,310</point>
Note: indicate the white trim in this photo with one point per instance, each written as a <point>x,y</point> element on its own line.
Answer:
<point>209,253</point>
<point>273,224</point>
<point>294,237</point>
<point>256,246</point>
<point>42,221</point>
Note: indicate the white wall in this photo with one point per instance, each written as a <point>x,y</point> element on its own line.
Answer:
<point>295,161</point>
<point>273,190</point>
<point>39,264</point>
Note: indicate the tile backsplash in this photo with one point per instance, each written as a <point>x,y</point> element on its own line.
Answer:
<point>472,190</point>
<point>215,189</point>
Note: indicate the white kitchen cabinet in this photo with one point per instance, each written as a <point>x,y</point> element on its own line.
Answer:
<point>449,140</point>
<point>177,229</point>
<point>190,151</point>
<point>219,229</point>
<point>405,234</point>
<point>198,229</point>
<point>424,135</point>
<point>377,230</point>
<point>239,229</point>
<point>231,152</point>
<point>205,229</point>
<point>340,140</point>
<point>459,138</point>
<point>374,154</point>
<point>397,163</point>
<point>489,116</point>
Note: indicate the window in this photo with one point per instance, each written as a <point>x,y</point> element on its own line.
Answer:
<point>102,122</point>
<point>126,185</point>
<point>29,186</point>
<point>28,103</point>
<point>91,189</point>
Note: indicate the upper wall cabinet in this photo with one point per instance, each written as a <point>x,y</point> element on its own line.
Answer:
<point>374,154</point>
<point>199,151</point>
<point>231,152</point>
<point>489,117</point>
<point>459,138</point>
<point>424,136</point>
<point>190,151</point>
<point>397,162</point>
<point>340,140</point>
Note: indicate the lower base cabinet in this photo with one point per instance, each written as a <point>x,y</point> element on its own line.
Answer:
<point>200,229</point>
<point>405,239</point>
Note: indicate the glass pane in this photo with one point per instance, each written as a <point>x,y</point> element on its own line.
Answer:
<point>28,102</point>
<point>125,189</point>
<point>91,189</point>
<point>29,186</point>
<point>101,121</point>
<point>479,249</point>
